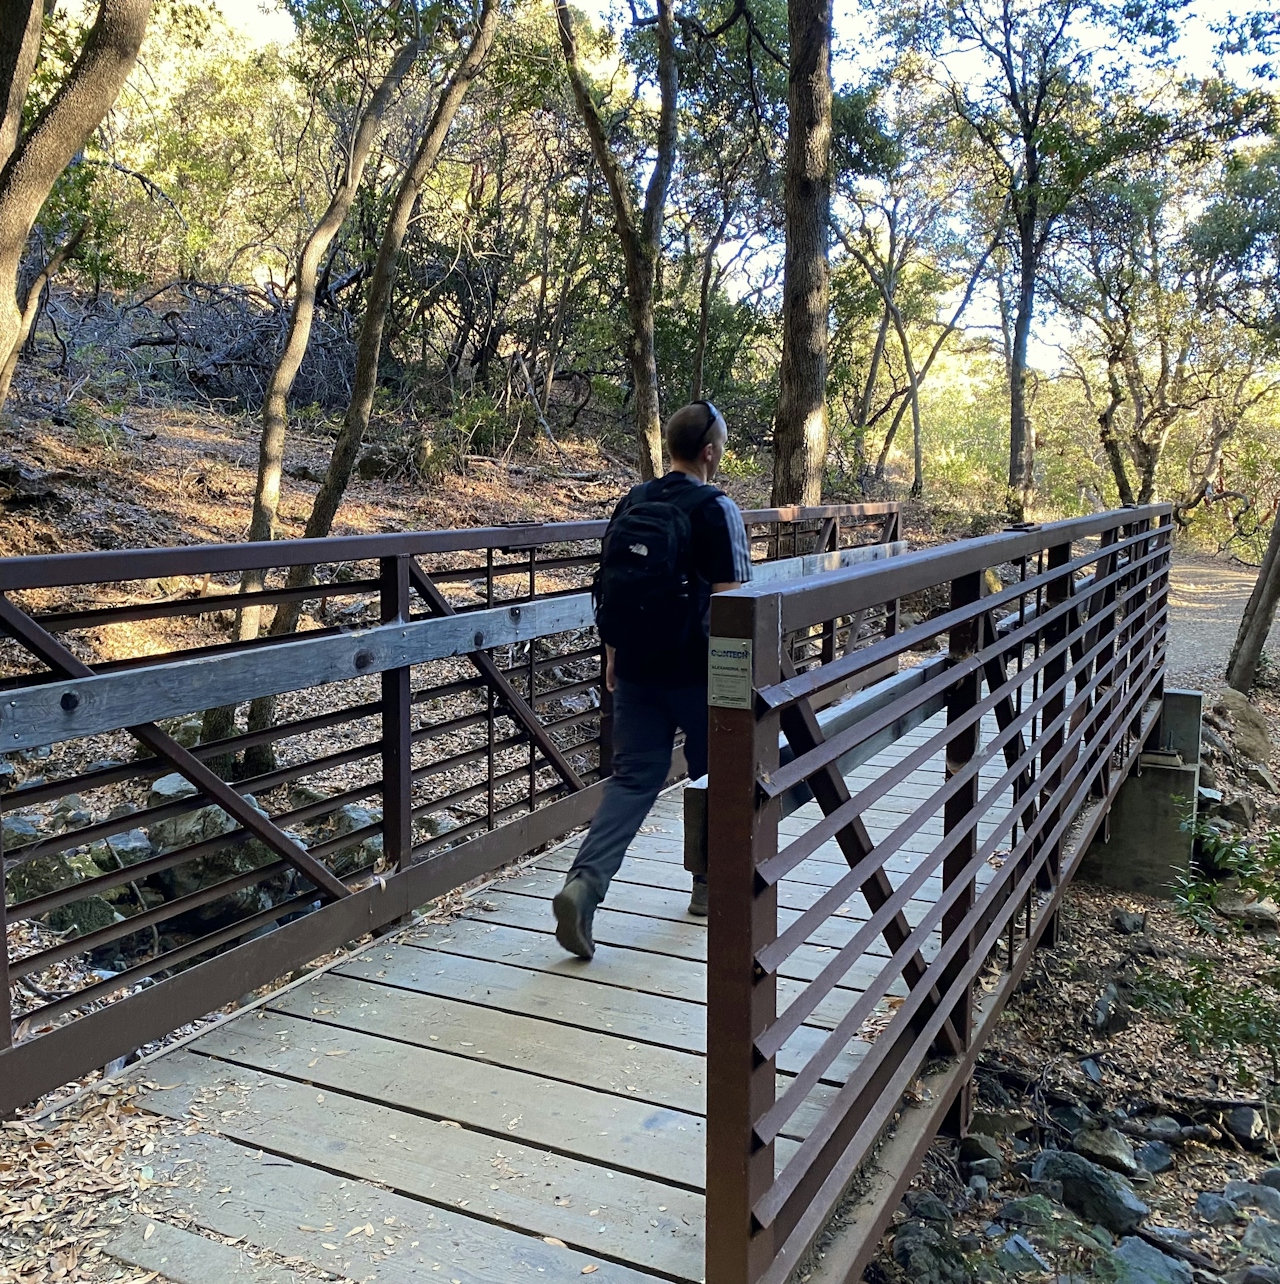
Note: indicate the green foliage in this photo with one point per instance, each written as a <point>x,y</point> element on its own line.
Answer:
<point>1212,1008</point>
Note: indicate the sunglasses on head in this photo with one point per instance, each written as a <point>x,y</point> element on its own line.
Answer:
<point>712,415</point>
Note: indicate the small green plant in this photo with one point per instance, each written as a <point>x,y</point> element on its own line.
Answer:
<point>1212,1009</point>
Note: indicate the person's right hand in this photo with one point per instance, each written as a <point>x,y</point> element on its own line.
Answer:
<point>610,680</point>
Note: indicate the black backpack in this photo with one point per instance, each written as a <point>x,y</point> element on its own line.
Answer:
<point>646,591</point>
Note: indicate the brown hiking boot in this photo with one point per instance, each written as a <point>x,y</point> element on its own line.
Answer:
<point>698,901</point>
<point>574,909</point>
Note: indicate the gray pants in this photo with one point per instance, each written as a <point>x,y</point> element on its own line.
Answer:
<point>645,719</point>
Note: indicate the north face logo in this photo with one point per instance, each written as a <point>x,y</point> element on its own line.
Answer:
<point>640,550</point>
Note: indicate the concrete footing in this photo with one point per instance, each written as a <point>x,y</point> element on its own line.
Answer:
<point>1143,847</point>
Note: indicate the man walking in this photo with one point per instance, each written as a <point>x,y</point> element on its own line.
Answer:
<point>670,545</point>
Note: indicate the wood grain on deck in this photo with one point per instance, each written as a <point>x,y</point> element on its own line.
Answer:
<point>465,1098</point>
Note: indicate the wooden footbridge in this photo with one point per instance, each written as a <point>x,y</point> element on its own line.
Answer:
<point>889,819</point>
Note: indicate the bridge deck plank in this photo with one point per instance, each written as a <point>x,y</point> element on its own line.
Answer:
<point>501,1091</point>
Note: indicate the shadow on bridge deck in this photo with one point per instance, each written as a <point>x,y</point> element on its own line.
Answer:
<point>463,1101</point>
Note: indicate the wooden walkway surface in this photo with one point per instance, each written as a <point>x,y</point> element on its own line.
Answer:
<point>464,1102</point>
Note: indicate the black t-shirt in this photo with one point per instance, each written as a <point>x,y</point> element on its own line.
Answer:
<point>720,554</point>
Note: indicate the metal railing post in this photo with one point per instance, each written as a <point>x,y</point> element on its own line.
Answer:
<point>741,997</point>
<point>397,752</point>
<point>958,822</point>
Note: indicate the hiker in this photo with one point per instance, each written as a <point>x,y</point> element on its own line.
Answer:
<point>670,544</point>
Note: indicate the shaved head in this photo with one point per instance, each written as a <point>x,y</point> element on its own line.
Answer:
<point>691,429</point>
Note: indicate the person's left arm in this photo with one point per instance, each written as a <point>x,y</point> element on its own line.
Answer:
<point>731,551</point>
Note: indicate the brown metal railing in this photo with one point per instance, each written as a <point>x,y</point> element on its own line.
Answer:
<point>1051,681</point>
<point>451,677</point>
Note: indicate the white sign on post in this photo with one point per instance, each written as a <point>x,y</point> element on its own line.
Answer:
<point>729,673</point>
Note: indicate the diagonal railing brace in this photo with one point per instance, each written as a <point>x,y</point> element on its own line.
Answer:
<point>520,710</point>
<point>47,648</point>
<point>800,726</point>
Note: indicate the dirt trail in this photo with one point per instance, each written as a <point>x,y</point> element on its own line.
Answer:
<point>1206,601</point>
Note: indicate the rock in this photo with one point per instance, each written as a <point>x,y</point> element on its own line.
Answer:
<point>1252,738</point>
<point>1071,1118</point>
<point>189,827</point>
<point>372,464</point>
<point>1110,1016</point>
<point>1254,1275</point>
<point>929,1254</point>
<point>1208,777</point>
<point>131,846</point>
<point>170,788</point>
<point>1035,1212</point>
<point>977,1146</point>
<point>1093,1192</point>
<point>925,1206</point>
<point>305,795</point>
<point>991,1169</point>
<point>67,804</point>
<point>1270,1177</point>
<point>1257,774</point>
<point>1263,915</point>
<point>17,831</point>
<point>993,1123</point>
<point>1128,923</point>
<point>1245,1194</point>
<point>346,820</point>
<point>979,1188</point>
<point>8,774</point>
<point>1019,1255</point>
<point>1155,1157</point>
<point>83,917</point>
<point>120,810</point>
<point>1240,811</point>
<point>1210,737</point>
<point>1162,1128</point>
<point>1262,1237</point>
<point>1107,1147</point>
<point>1215,1209</point>
<point>186,731</point>
<point>1138,1262</point>
<point>1248,1127</point>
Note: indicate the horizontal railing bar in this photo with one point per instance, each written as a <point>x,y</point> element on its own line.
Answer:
<point>772,1203</point>
<point>864,586</point>
<point>140,922</point>
<point>61,710</point>
<point>782,1028</point>
<point>790,774</point>
<point>172,958</point>
<point>98,617</point>
<point>114,566</point>
<point>783,694</point>
<point>777,866</point>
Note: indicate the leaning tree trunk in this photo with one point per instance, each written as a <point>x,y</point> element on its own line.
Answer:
<point>369,348</point>
<point>640,235</point>
<point>800,420</point>
<point>31,304</point>
<point>59,132</point>
<point>275,407</point>
<point>1259,615</point>
<point>1022,440</point>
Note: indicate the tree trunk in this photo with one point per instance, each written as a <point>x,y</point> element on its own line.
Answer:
<point>1022,441</point>
<point>369,347</point>
<point>640,237</point>
<point>59,132</point>
<point>220,722</point>
<point>1259,615</point>
<point>800,421</point>
<point>704,310</point>
<point>31,304</point>
<point>20,34</point>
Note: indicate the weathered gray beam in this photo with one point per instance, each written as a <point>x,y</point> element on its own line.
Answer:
<point>794,568</point>
<point>65,708</point>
